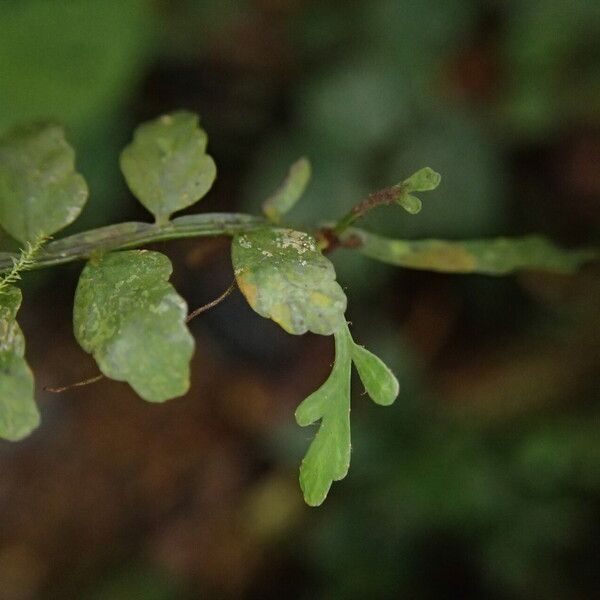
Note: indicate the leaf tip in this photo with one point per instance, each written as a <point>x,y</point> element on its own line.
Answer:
<point>423,180</point>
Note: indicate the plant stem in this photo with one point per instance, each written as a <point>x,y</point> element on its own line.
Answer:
<point>24,261</point>
<point>134,234</point>
<point>379,198</point>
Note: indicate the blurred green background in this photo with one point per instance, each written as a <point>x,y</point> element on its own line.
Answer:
<point>483,480</point>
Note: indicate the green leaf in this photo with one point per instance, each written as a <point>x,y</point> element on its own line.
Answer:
<point>424,180</point>
<point>133,321</point>
<point>328,457</point>
<point>497,256</point>
<point>40,191</point>
<point>284,277</point>
<point>19,415</point>
<point>379,381</point>
<point>166,166</point>
<point>289,192</point>
<point>411,204</point>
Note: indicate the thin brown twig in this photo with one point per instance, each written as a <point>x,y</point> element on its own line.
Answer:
<point>64,388</point>
<point>212,304</point>
<point>192,315</point>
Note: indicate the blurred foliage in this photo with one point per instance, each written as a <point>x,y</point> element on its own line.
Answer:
<point>68,60</point>
<point>76,62</point>
<point>554,57</point>
<point>491,453</point>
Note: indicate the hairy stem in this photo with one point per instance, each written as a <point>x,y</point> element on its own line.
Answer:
<point>24,261</point>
